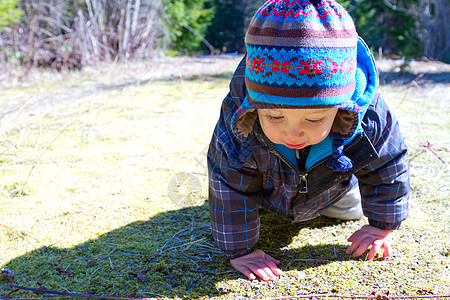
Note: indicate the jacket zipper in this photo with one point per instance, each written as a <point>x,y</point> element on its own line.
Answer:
<point>302,175</point>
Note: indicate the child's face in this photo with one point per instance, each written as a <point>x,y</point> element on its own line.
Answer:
<point>297,128</point>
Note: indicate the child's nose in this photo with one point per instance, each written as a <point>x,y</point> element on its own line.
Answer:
<point>293,133</point>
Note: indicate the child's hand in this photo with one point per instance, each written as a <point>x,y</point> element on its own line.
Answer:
<point>257,263</point>
<point>368,236</point>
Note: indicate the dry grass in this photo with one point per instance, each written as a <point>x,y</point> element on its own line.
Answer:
<point>86,160</point>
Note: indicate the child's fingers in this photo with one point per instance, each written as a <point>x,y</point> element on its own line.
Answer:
<point>361,247</point>
<point>258,264</point>
<point>275,270</point>
<point>269,273</point>
<point>387,246</point>
<point>263,272</point>
<point>246,271</point>
<point>372,237</point>
<point>251,276</point>
<point>376,245</point>
<point>352,248</point>
<point>353,236</point>
<point>272,262</point>
<point>355,244</point>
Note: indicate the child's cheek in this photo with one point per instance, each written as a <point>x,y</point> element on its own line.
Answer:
<point>273,132</point>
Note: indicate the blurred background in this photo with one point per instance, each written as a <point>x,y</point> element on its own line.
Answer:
<point>70,34</point>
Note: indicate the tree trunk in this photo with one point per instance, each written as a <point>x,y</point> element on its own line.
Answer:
<point>137,6</point>
<point>432,26</point>
<point>126,32</point>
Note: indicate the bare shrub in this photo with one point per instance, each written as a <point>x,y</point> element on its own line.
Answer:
<point>70,34</point>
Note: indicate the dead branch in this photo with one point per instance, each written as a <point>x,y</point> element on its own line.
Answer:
<point>45,291</point>
<point>42,153</point>
<point>21,232</point>
<point>400,9</point>
<point>377,296</point>
<point>64,35</point>
<point>208,44</point>
<point>430,147</point>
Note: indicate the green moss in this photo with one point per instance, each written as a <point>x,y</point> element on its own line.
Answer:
<point>96,216</point>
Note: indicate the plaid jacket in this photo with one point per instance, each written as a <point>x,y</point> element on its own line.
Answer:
<point>270,181</point>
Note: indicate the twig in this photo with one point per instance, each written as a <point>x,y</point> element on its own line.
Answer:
<point>61,271</point>
<point>12,292</point>
<point>430,147</point>
<point>46,247</point>
<point>189,229</point>
<point>108,256</point>
<point>42,291</point>
<point>40,156</point>
<point>401,9</point>
<point>21,232</point>
<point>313,260</point>
<point>161,249</point>
<point>205,41</point>
<point>185,244</point>
<point>68,256</point>
<point>381,297</point>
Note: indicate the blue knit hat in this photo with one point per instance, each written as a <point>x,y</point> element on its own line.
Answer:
<point>302,54</point>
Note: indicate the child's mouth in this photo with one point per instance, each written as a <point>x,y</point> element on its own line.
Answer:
<point>297,146</point>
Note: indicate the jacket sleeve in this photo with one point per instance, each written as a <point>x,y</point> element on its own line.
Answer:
<point>233,193</point>
<point>384,183</point>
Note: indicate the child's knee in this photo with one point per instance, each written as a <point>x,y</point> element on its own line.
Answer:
<point>348,208</point>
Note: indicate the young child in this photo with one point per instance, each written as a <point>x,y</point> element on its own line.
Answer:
<point>303,133</point>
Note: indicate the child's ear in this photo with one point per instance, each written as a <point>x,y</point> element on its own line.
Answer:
<point>244,124</point>
<point>343,122</point>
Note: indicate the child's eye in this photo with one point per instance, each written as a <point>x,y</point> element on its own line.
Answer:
<point>274,118</point>
<point>315,122</point>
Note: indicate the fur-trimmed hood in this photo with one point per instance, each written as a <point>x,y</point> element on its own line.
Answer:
<point>347,123</point>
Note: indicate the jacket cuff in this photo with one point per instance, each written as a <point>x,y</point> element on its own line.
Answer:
<point>237,253</point>
<point>385,225</point>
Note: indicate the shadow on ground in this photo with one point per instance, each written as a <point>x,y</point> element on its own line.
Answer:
<point>170,255</point>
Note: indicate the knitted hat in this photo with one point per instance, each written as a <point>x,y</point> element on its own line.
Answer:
<point>301,54</point>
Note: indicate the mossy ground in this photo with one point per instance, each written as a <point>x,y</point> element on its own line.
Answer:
<point>87,204</point>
